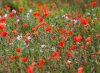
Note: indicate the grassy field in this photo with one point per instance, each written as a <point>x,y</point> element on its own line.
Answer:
<point>49,36</point>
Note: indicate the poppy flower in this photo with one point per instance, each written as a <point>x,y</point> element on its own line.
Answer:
<point>41,61</point>
<point>4,34</point>
<point>0,58</point>
<point>94,3</point>
<point>55,55</point>
<point>80,70</point>
<point>84,21</point>
<point>77,38</point>
<point>43,23</point>
<point>45,14</point>
<point>24,59</point>
<point>61,44</point>
<point>3,19</point>
<point>36,14</point>
<point>69,54</point>
<point>76,1</point>
<point>29,69</point>
<point>25,25</point>
<point>14,31</point>
<point>11,15</point>
<point>12,57</point>
<point>40,19</point>
<point>2,26</point>
<point>21,9</point>
<point>40,66</point>
<point>0,12</point>
<point>88,43</point>
<point>57,29</point>
<point>17,49</point>
<point>79,15</point>
<point>69,32</point>
<point>7,7</point>
<point>85,5</point>
<point>44,6</point>
<point>38,4</point>
<point>88,39</point>
<point>68,15</point>
<point>34,64</point>
<point>53,37</point>
<point>63,31</point>
<point>49,57</point>
<point>48,28</point>
<point>52,4</point>
<point>73,47</point>
<point>82,47</point>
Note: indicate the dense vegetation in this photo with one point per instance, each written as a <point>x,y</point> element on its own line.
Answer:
<point>49,36</point>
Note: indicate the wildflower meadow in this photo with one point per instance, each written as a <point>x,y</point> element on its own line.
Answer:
<point>49,36</point>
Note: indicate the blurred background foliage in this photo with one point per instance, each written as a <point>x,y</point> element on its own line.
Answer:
<point>14,4</point>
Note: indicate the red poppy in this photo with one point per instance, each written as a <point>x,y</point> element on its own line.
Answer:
<point>80,70</point>
<point>77,38</point>
<point>38,4</point>
<point>53,37</point>
<point>61,44</point>
<point>70,24</point>
<point>17,49</point>
<point>88,39</point>
<point>0,12</point>
<point>44,6</point>
<point>88,43</point>
<point>34,64</point>
<point>49,57</point>
<point>41,61</point>
<point>12,57</point>
<point>11,15</point>
<point>52,4</point>
<point>36,14</point>
<point>3,19</point>
<point>21,9</point>
<point>77,1</point>
<point>84,21</point>
<point>43,23</point>
<point>2,25</point>
<point>29,69</point>
<point>48,28</point>
<point>40,19</point>
<point>68,15</point>
<point>24,59</point>
<point>0,58</point>
<point>63,31</point>
<point>45,14</point>
<point>73,47</point>
<point>94,3</point>
<point>14,31</point>
<point>25,25</point>
<point>4,34</point>
<point>40,66</point>
<point>69,54</point>
<point>57,29</point>
<point>33,29</point>
<point>79,15</point>
<point>85,5</point>
<point>82,47</point>
<point>55,55</point>
<point>69,32</point>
